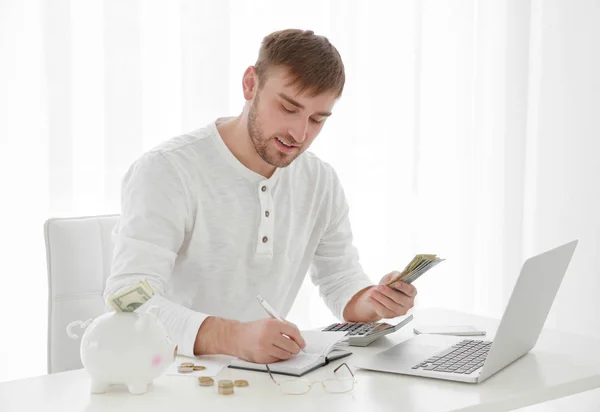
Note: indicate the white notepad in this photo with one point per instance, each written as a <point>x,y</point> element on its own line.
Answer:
<point>321,347</point>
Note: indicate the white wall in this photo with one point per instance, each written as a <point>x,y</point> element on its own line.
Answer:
<point>564,132</point>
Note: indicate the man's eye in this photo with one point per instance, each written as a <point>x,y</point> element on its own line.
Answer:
<point>287,110</point>
<point>316,121</point>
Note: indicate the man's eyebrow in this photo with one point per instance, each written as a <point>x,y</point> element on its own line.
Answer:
<point>298,105</point>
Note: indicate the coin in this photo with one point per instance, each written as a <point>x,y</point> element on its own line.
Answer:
<point>185,369</point>
<point>240,383</point>
<point>205,381</point>
<point>225,387</point>
<point>199,368</point>
<point>190,364</point>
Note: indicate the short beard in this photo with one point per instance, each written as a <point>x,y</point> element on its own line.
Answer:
<point>262,144</point>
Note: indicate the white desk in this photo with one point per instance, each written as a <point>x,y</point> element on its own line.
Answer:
<point>558,366</point>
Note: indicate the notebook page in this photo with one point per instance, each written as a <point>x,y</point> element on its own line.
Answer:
<point>299,361</point>
<point>296,362</point>
<point>321,343</point>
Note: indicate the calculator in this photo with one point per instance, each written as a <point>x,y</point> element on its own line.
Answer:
<point>363,333</point>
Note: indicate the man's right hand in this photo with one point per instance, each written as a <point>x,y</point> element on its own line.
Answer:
<point>263,341</point>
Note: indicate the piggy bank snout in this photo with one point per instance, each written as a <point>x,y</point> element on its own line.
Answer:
<point>168,356</point>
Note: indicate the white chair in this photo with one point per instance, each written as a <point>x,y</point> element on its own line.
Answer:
<point>78,254</point>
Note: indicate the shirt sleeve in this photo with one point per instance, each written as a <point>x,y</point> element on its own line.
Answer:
<point>335,268</point>
<point>155,211</point>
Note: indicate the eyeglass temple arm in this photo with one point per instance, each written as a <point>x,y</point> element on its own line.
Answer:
<point>348,367</point>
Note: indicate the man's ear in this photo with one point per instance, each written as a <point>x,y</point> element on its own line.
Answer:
<point>250,83</point>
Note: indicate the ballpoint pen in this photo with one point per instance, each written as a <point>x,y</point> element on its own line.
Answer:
<point>271,312</point>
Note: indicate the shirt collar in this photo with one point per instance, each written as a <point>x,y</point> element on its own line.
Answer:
<point>251,175</point>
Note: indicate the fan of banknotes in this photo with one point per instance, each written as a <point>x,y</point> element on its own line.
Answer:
<point>417,266</point>
<point>128,300</point>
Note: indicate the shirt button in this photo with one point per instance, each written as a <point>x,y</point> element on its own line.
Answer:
<point>264,188</point>
<point>265,239</point>
<point>267,213</point>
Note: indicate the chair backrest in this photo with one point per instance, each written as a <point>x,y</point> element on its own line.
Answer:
<point>78,254</point>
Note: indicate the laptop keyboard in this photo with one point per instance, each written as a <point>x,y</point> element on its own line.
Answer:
<point>465,357</point>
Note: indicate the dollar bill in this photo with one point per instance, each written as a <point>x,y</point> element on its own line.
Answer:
<point>131,298</point>
<point>420,264</point>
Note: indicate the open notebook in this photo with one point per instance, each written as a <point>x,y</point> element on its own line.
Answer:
<point>321,347</point>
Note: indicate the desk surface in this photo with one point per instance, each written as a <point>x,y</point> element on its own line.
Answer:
<point>559,365</point>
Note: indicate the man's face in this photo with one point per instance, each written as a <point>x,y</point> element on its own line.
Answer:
<point>283,123</point>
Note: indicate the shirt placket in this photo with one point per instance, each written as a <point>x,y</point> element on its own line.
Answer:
<point>266,227</point>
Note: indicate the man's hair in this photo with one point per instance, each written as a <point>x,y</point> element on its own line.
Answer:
<point>314,63</point>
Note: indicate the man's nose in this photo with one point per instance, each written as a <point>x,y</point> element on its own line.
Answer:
<point>298,131</point>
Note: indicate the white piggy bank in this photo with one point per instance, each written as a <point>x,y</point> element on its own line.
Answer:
<point>126,348</point>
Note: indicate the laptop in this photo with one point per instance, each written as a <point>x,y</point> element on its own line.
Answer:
<point>474,360</point>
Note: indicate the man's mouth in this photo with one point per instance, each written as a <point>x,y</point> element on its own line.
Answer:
<point>284,143</point>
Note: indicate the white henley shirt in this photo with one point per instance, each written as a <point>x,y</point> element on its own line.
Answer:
<point>209,234</point>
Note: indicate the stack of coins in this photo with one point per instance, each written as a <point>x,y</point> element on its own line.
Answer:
<point>240,383</point>
<point>187,367</point>
<point>225,387</point>
<point>206,381</point>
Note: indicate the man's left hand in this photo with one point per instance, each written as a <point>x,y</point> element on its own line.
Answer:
<point>390,303</point>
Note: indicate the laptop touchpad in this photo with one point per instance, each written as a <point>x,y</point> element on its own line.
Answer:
<point>419,348</point>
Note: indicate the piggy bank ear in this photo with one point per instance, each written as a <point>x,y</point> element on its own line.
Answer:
<point>153,310</point>
<point>145,318</point>
<point>141,323</point>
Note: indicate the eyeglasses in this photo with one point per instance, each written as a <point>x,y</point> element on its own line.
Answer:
<point>302,386</point>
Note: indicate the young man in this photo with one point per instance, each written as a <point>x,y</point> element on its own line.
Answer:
<point>214,217</point>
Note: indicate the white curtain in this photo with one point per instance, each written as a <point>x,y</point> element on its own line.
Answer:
<point>454,135</point>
